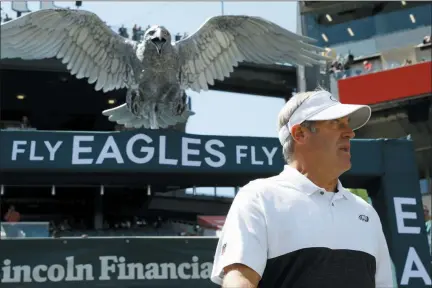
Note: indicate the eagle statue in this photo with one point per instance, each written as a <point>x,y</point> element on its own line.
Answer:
<point>155,71</point>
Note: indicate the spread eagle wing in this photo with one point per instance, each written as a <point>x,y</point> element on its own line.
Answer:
<point>80,39</point>
<point>222,42</point>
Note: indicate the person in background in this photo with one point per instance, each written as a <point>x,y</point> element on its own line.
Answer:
<point>134,32</point>
<point>426,213</point>
<point>407,62</point>
<point>123,32</point>
<point>347,65</point>
<point>25,122</point>
<point>367,66</point>
<point>140,33</point>
<point>428,223</point>
<point>12,215</point>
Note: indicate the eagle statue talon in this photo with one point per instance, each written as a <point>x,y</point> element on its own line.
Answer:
<point>155,71</point>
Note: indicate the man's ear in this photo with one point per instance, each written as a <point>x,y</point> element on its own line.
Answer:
<point>298,133</point>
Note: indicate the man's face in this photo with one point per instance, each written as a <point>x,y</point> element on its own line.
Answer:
<point>329,145</point>
<point>426,211</point>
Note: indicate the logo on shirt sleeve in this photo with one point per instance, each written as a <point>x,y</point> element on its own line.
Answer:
<point>223,249</point>
<point>364,218</point>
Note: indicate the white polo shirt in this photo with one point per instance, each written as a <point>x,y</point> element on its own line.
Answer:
<point>295,234</point>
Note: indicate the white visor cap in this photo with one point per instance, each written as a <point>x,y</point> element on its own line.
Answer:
<point>323,106</point>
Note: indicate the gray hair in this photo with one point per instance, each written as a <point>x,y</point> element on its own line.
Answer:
<point>284,116</point>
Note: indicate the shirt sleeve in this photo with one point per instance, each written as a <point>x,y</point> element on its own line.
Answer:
<point>244,236</point>
<point>384,274</point>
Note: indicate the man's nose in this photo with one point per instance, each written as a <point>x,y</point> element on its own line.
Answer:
<point>348,133</point>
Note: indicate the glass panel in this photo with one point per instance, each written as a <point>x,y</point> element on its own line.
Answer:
<point>367,27</point>
<point>24,230</point>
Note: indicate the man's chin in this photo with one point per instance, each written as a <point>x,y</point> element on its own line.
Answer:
<point>346,166</point>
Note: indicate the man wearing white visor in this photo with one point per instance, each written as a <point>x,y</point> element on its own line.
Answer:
<point>302,228</point>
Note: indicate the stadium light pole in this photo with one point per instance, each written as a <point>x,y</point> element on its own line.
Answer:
<point>222,7</point>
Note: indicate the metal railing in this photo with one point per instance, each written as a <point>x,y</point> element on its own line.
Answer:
<point>386,60</point>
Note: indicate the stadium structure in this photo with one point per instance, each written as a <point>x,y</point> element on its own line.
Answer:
<point>109,207</point>
<point>379,36</point>
<point>381,57</point>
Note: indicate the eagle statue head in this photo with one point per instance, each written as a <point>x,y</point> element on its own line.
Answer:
<point>158,36</point>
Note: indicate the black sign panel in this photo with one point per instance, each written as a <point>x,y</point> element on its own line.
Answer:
<point>95,262</point>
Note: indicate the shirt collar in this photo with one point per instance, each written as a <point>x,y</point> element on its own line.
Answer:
<point>303,184</point>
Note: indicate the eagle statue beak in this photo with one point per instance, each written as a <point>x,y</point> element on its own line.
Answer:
<point>158,40</point>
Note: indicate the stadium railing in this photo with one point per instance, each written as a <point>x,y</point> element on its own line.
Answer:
<point>390,59</point>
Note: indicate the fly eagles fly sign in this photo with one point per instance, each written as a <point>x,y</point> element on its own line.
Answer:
<point>140,150</point>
